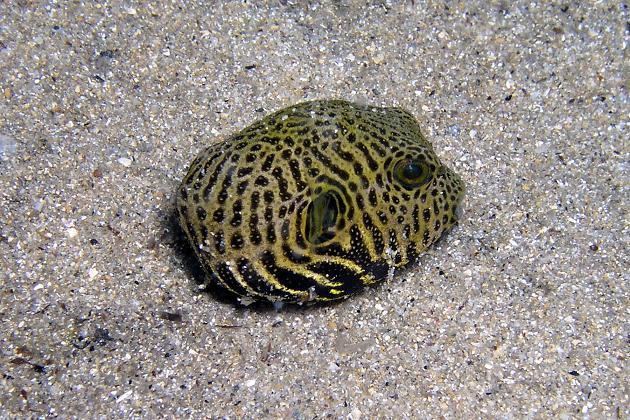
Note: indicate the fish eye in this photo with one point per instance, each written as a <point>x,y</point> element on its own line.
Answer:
<point>322,217</point>
<point>411,173</point>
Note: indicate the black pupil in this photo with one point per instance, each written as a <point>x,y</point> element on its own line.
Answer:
<point>412,171</point>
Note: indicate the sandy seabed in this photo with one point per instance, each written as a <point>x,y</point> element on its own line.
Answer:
<point>520,311</point>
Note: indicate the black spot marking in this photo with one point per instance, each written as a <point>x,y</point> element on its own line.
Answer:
<point>294,167</point>
<point>244,171</point>
<point>242,187</point>
<point>255,200</point>
<point>394,246</point>
<point>283,185</point>
<point>271,233</point>
<point>282,211</point>
<point>237,216</point>
<point>261,181</point>
<point>237,242</point>
<point>425,237</point>
<point>214,175</point>
<point>268,214</point>
<point>368,157</point>
<point>416,218</point>
<point>372,198</point>
<point>406,231</point>
<point>360,202</point>
<point>201,213</point>
<point>266,166</point>
<point>325,160</point>
<point>377,236</point>
<point>218,215</point>
<point>219,242</point>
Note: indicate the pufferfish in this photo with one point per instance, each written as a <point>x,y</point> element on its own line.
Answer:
<point>316,201</point>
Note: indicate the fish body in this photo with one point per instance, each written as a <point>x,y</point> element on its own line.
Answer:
<point>316,201</point>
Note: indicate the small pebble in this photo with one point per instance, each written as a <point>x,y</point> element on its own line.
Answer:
<point>126,162</point>
<point>92,273</point>
<point>8,146</point>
